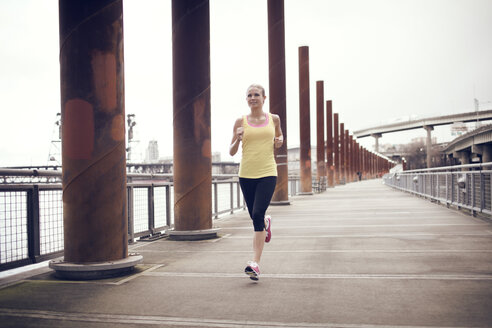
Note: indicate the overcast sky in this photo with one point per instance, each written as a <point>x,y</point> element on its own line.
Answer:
<point>380,60</point>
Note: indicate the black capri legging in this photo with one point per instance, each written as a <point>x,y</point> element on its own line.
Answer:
<point>258,194</point>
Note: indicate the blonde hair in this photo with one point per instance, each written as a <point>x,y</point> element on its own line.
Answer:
<point>258,86</point>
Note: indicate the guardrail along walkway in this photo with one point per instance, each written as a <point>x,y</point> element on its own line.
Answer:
<point>357,255</point>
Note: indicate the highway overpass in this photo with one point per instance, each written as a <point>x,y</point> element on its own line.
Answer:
<point>425,122</point>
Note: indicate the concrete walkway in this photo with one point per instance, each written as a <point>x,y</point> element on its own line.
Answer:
<point>359,255</point>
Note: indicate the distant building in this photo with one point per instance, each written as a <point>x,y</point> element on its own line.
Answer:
<point>152,152</point>
<point>216,157</point>
<point>458,129</point>
<point>294,160</point>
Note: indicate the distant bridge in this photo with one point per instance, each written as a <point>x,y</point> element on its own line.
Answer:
<point>424,123</point>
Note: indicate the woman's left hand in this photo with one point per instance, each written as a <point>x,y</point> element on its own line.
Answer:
<point>278,141</point>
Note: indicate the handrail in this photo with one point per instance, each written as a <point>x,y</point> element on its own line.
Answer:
<point>29,172</point>
<point>466,189</point>
<point>454,167</point>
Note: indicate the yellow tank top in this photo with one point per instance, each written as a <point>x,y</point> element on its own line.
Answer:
<point>258,160</point>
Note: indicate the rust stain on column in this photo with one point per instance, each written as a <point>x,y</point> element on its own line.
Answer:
<point>336,148</point>
<point>93,137</point>
<point>277,84</point>
<point>191,115</point>
<point>304,121</point>
<point>320,131</point>
<point>329,143</point>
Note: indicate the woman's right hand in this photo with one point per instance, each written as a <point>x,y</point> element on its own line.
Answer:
<point>239,133</point>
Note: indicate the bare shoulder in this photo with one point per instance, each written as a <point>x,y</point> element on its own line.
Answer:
<point>239,121</point>
<point>276,118</point>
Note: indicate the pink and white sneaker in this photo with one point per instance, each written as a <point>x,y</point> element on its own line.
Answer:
<point>268,228</point>
<point>252,270</point>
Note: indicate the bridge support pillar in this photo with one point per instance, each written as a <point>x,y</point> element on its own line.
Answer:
<point>93,141</point>
<point>376,137</point>
<point>486,153</point>
<point>429,129</point>
<point>464,157</point>
<point>191,124</point>
<point>304,121</point>
<point>276,64</point>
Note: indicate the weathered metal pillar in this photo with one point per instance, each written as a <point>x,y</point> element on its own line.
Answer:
<point>351,158</point>
<point>364,162</point>
<point>429,129</point>
<point>304,122</point>
<point>329,144</point>
<point>320,131</point>
<point>192,165</point>
<point>343,177</point>
<point>276,64</point>
<point>358,169</point>
<point>347,157</point>
<point>95,218</point>
<point>336,148</point>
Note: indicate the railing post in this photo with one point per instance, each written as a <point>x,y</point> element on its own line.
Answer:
<point>216,201</point>
<point>238,188</point>
<point>231,194</point>
<point>131,225</point>
<point>482,191</point>
<point>168,206</point>
<point>490,189</point>
<point>150,202</point>
<point>33,242</point>
<point>472,194</point>
<point>447,190</point>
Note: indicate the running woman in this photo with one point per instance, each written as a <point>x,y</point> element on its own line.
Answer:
<point>259,133</point>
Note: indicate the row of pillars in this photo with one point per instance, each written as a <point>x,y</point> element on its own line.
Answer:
<point>339,157</point>
<point>93,131</point>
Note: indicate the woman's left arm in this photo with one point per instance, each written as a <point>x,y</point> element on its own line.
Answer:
<point>279,136</point>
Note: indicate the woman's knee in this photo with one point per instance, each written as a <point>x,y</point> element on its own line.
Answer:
<point>259,221</point>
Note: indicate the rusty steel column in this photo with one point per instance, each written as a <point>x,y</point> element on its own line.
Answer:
<point>350,157</point>
<point>95,219</point>
<point>320,132</point>
<point>336,148</point>
<point>304,122</point>
<point>364,163</point>
<point>343,178</point>
<point>329,143</point>
<point>357,159</point>
<point>277,84</point>
<point>192,165</point>
<point>347,156</point>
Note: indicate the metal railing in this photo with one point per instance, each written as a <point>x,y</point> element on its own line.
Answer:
<point>464,186</point>
<point>31,211</point>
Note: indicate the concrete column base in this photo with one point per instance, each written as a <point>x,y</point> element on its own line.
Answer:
<point>190,235</point>
<point>280,203</point>
<point>307,193</point>
<point>91,271</point>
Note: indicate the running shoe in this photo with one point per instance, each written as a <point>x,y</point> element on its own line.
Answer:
<point>268,228</point>
<point>252,270</point>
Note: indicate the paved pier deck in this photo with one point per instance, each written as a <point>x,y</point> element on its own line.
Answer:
<point>359,255</point>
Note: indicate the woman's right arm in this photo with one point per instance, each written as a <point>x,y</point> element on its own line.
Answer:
<point>237,136</point>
